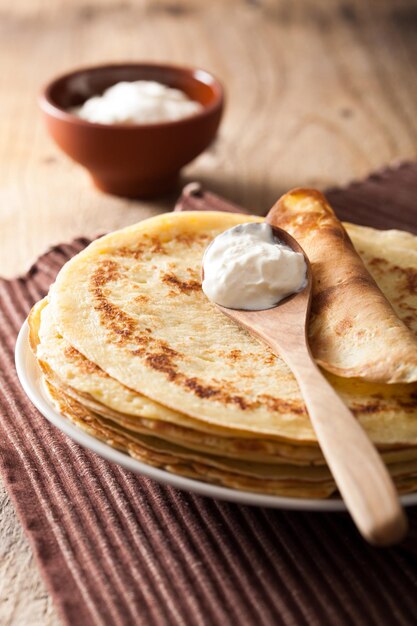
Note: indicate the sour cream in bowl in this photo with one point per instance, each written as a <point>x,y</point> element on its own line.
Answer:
<point>137,102</point>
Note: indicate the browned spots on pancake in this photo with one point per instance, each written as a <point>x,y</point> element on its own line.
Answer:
<point>407,274</point>
<point>188,239</point>
<point>113,318</point>
<point>142,342</point>
<point>404,305</point>
<point>201,390</point>
<point>377,262</point>
<point>410,402</point>
<point>105,272</point>
<point>194,273</point>
<point>71,353</point>
<point>131,253</point>
<point>223,392</point>
<point>269,358</point>
<point>411,279</point>
<point>408,407</point>
<point>141,299</point>
<point>123,329</point>
<point>241,402</point>
<point>343,326</point>
<point>116,321</point>
<point>409,321</point>
<point>366,409</point>
<point>407,314</point>
<point>281,406</point>
<point>84,366</point>
<point>209,391</point>
<point>162,363</point>
<point>182,286</point>
<point>407,402</point>
<point>139,351</point>
<point>154,245</point>
<point>165,348</point>
<point>305,223</point>
<point>162,359</point>
<point>234,355</point>
<point>148,245</point>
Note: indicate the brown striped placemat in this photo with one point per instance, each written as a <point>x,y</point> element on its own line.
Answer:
<point>118,549</point>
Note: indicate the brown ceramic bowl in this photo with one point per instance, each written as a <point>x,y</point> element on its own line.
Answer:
<point>136,160</point>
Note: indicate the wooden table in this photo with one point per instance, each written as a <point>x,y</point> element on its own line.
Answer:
<point>319,93</point>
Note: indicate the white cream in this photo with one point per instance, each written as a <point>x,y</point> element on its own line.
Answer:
<point>246,268</point>
<point>139,102</point>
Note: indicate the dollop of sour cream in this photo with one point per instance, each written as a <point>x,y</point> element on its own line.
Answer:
<point>138,102</point>
<point>247,268</point>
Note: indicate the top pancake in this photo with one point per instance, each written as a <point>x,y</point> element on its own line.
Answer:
<point>132,303</point>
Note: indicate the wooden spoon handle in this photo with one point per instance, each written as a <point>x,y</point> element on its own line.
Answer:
<point>359,472</point>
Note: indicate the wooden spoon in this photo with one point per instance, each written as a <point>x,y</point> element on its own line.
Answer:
<point>359,472</point>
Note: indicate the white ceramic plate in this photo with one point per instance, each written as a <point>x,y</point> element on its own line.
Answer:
<point>30,377</point>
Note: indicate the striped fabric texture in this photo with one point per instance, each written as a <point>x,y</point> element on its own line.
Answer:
<point>116,549</point>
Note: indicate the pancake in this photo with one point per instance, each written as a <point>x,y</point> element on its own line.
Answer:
<point>251,450</point>
<point>139,314</point>
<point>354,330</point>
<point>92,387</point>
<point>275,480</point>
<point>165,457</point>
<point>71,372</point>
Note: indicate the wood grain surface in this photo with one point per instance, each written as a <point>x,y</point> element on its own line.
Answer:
<point>319,93</point>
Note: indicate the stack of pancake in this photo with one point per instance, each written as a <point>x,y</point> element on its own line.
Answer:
<point>132,352</point>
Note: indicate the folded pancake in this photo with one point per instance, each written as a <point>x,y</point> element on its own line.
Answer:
<point>131,304</point>
<point>354,330</point>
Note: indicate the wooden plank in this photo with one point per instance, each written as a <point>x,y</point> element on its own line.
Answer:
<point>23,597</point>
